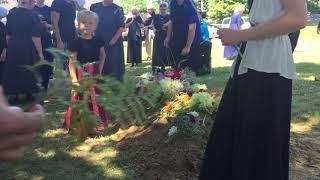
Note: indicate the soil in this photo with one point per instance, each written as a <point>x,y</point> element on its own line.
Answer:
<point>149,155</point>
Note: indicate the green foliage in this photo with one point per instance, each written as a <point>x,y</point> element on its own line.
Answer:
<point>219,9</point>
<point>313,6</point>
<point>170,88</point>
<point>201,102</point>
<point>127,5</point>
<point>195,88</point>
<point>216,103</point>
<point>124,102</point>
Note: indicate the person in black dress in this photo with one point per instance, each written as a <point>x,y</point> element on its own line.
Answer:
<point>63,14</point>
<point>44,13</point>
<point>24,48</point>
<point>110,28</point>
<point>184,27</point>
<point>134,24</point>
<point>161,56</point>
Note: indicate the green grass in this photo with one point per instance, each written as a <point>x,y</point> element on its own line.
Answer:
<point>54,155</point>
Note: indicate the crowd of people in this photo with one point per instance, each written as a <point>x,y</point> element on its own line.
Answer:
<point>251,134</point>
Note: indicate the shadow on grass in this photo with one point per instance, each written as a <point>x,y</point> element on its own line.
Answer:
<point>56,155</point>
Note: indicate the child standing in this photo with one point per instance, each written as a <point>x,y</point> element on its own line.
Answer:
<point>89,52</point>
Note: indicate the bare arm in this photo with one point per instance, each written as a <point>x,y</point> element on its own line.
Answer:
<point>55,17</point>
<point>169,33</point>
<point>38,45</point>
<point>102,58</point>
<point>118,34</point>
<point>294,18</point>
<point>72,68</point>
<point>191,35</point>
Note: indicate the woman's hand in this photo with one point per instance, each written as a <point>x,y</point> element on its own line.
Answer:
<point>230,37</point>
<point>185,51</point>
<point>3,55</point>
<point>113,41</point>
<point>41,56</point>
<point>60,45</point>
<point>167,43</point>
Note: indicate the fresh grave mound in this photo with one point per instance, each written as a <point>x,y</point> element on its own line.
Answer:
<point>149,155</point>
<point>158,151</point>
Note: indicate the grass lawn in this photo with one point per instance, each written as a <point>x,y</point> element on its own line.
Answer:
<point>143,154</point>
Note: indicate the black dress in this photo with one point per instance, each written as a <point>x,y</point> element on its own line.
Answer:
<point>22,25</point>
<point>134,41</point>
<point>161,55</point>
<point>180,34</point>
<point>111,19</point>
<point>46,41</point>
<point>88,50</point>
<point>251,134</point>
<point>3,45</point>
<point>66,24</point>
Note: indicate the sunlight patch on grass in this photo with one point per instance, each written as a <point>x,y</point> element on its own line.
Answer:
<point>123,133</point>
<point>310,123</point>
<point>52,133</point>
<point>45,155</point>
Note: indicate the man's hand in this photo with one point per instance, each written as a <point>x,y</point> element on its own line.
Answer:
<point>17,129</point>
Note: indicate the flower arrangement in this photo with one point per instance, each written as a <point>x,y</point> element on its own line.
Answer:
<point>170,87</point>
<point>188,124</point>
<point>201,102</point>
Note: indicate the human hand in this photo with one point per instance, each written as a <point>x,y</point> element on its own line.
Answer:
<point>41,56</point>
<point>60,45</point>
<point>3,56</point>
<point>17,129</point>
<point>113,42</point>
<point>185,51</point>
<point>167,43</point>
<point>229,37</point>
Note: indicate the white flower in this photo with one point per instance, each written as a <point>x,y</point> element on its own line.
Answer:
<point>172,131</point>
<point>194,114</point>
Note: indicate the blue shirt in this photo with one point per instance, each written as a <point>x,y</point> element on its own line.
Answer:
<point>204,31</point>
<point>190,17</point>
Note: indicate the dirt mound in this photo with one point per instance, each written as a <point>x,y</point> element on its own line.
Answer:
<point>151,155</point>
